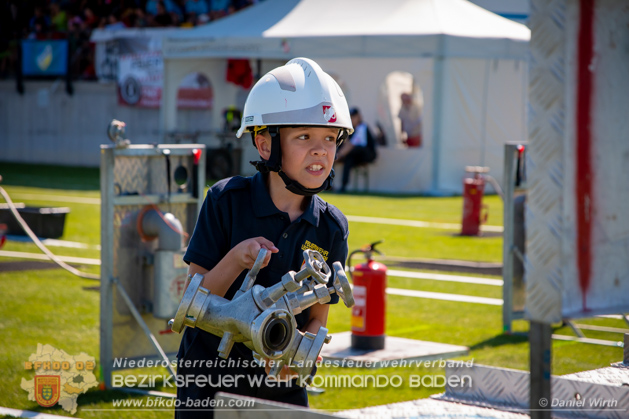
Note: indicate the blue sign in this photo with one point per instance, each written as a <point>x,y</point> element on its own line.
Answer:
<point>44,58</point>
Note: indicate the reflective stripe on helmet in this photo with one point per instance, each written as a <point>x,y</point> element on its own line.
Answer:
<point>321,114</point>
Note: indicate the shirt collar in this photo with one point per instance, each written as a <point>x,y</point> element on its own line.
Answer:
<point>313,211</point>
<point>263,205</point>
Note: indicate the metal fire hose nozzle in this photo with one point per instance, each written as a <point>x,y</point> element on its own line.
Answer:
<point>265,329</point>
<point>268,332</point>
<point>302,356</point>
<point>251,316</point>
<point>264,318</point>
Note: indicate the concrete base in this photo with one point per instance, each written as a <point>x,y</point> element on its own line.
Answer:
<point>339,350</point>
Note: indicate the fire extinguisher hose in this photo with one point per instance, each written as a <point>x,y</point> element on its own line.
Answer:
<point>367,250</point>
<point>39,244</point>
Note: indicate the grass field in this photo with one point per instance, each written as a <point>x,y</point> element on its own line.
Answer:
<point>51,306</point>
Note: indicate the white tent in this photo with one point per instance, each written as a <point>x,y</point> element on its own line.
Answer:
<point>469,64</point>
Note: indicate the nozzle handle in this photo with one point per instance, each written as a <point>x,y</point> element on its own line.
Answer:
<point>253,272</point>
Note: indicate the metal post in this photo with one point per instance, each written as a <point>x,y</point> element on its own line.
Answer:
<point>540,350</point>
<point>439,84</point>
<point>625,358</point>
<point>508,188</point>
<point>138,317</point>
<point>107,263</point>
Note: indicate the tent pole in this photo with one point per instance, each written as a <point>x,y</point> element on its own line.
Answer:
<point>437,113</point>
<point>483,130</point>
<point>168,108</point>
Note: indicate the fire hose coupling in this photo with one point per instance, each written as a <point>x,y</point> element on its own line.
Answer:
<point>268,332</point>
<point>302,356</point>
<point>192,302</point>
<point>263,319</point>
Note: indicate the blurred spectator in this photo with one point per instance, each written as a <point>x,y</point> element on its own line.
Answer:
<point>411,119</point>
<point>162,17</point>
<point>169,5</point>
<point>134,17</point>
<point>219,8</point>
<point>6,27</point>
<point>198,7</point>
<point>58,18</point>
<point>40,22</point>
<point>113,21</point>
<point>91,21</point>
<point>75,20</point>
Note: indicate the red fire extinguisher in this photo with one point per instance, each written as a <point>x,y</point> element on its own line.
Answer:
<point>368,314</point>
<point>473,189</point>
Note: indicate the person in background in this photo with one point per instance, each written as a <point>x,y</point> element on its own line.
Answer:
<point>359,149</point>
<point>411,119</point>
<point>59,18</point>
<point>39,24</point>
<point>114,21</point>
<point>198,7</point>
<point>219,9</point>
<point>162,17</point>
<point>170,6</point>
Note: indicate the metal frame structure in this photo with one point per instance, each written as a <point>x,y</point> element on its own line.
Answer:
<point>509,248</point>
<point>511,251</point>
<point>132,177</point>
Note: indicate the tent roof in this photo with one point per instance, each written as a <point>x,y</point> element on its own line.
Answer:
<point>325,28</point>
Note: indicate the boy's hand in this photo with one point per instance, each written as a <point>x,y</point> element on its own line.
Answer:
<point>247,251</point>
<point>286,374</point>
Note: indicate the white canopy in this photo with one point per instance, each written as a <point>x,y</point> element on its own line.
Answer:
<point>357,28</point>
<point>469,64</point>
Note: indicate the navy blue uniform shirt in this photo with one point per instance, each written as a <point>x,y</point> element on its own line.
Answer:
<point>237,209</point>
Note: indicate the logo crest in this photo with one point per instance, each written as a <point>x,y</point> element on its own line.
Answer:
<point>47,390</point>
<point>329,113</point>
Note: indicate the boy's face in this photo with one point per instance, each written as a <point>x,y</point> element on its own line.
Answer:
<point>308,153</point>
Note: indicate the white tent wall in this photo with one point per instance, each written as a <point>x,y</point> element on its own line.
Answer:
<point>469,64</point>
<point>363,77</point>
<point>460,142</point>
<point>483,108</point>
<point>506,110</point>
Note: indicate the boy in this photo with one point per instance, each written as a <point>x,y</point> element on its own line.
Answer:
<point>298,116</point>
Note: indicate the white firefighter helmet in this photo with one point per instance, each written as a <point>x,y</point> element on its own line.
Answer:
<point>296,94</point>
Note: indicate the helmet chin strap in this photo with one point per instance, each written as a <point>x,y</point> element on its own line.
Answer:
<point>273,164</point>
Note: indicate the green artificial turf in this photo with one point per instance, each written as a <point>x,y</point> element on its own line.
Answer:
<point>54,307</point>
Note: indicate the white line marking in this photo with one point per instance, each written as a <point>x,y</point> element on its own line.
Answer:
<point>55,242</point>
<point>392,291</point>
<point>445,297</point>
<point>416,223</point>
<point>16,413</point>
<point>74,245</point>
<point>39,256</point>
<point>56,198</point>
<point>442,277</point>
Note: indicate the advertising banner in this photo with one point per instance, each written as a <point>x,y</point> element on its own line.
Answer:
<point>140,80</point>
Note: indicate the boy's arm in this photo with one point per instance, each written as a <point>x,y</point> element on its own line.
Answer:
<point>240,257</point>
<point>318,318</point>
